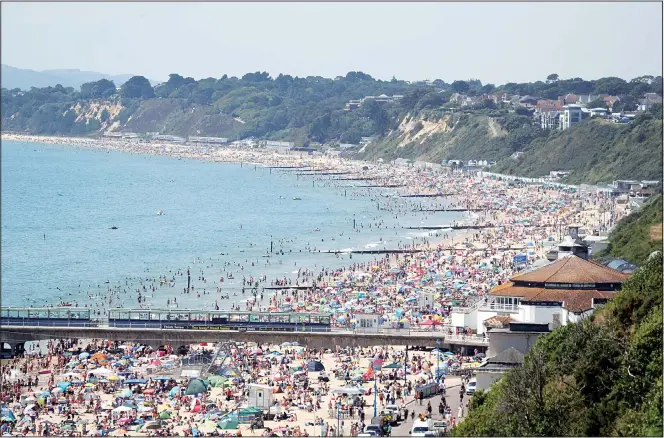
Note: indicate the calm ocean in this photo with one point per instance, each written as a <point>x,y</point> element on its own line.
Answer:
<point>58,204</point>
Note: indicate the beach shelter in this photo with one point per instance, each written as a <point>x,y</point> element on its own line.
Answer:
<point>228,372</point>
<point>7,415</point>
<point>196,386</point>
<point>174,391</point>
<point>229,422</point>
<point>196,405</point>
<point>392,366</point>
<point>247,415</point>
<point>315,365</point>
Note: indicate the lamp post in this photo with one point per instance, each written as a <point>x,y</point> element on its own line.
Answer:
<point>405,370</point>
<point>338,416</point>
<point>375,405</point>
<point>438,363</point>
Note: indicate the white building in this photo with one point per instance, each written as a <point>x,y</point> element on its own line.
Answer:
<point>570,116</point>
<point>602,112</point>
<point>556,294</point>
<point>277,144</point>
<point>212,140</point>
<point>367,322</point>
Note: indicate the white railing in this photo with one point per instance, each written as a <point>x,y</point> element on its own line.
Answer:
<point>469,309</point>
<point>500,307</point>
<point>467,338</point>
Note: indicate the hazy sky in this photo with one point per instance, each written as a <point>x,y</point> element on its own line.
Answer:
<point>494,42</point>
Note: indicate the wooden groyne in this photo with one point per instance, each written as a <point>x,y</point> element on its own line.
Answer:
<point>378,251</point>
<point>356,179</point>
<point>322,173</point>
<point>384,186</point>
<point>453,227</point>
<point>437,210</point>
<point>465,227</point>
<point>429,195</point>
<point>288,287</point>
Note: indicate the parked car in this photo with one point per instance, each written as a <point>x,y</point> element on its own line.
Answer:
<point>472,386</point>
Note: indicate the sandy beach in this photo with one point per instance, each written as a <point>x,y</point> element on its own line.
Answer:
<point>456,268</point>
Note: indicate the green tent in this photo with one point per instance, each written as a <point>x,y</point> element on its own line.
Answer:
<point>196,386</point>
<point>165,415</point>
<point>392,366</point>
<point>217,381</point>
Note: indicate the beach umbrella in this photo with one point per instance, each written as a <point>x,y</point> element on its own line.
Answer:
<point>208,427</point>
<point>63,385</point>
<point>84,355</point>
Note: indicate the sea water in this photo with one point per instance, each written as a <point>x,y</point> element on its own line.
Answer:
<point>60,203</point>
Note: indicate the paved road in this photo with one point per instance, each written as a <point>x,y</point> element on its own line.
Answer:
<point>452,398</point>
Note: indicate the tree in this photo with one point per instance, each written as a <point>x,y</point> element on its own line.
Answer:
<point>553,77</point>
<point>104,115</point>
<point>611,85</point>
<point>137,87</point>
<point>597,103</point>
<point>626,103</point>
<point>460,87</point>
<point>488,89</point>
<point>489,104</point>
<point>103,89</point>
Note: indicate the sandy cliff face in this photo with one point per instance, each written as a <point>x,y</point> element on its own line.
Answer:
<point>419,129</point>
<point>94,110</point>
<point>434,137</point>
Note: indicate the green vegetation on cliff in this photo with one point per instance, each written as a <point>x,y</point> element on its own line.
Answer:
<point>600,377</point>
<point>636,236</point>
<point>595,151</point>
<point>423,122</point>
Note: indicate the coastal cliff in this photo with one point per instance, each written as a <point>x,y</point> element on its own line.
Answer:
<point>431,121</point>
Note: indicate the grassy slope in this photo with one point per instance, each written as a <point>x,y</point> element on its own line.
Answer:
<point>174,117</point>
<point>635,237</point>
<point>596,151</point>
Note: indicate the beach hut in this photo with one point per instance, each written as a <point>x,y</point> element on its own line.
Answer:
<point>260,396</point>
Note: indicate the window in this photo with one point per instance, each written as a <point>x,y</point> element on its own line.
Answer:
<point>239,317</point>
<point>279,319</point>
